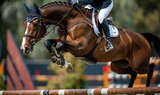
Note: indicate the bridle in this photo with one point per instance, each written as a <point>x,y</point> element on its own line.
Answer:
<point>35,16</point>
<point>38,27</point>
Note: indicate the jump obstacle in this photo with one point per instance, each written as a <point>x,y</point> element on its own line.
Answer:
<point>96,91</point>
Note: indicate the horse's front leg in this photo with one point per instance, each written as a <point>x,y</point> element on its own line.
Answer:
<point>55,50</point>
<point>60,46</point>
<point>49,44</point>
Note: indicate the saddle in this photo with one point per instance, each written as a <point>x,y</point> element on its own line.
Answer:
<point>112,29</point>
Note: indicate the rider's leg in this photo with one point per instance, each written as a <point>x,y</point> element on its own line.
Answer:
<point>104,12</point>
<point>105,26</point>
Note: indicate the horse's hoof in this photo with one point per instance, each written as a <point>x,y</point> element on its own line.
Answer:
<point>70,67</point>
<point>54,59</point>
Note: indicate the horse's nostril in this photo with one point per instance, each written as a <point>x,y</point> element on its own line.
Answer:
<point>26,49</point>
<point>22,50</point>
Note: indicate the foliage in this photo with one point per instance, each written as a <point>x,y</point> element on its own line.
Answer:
<point>2,86</point>
<point>150,16</point>
<point>124,13</point>
<point>137,15</point>
<point>70,79</point>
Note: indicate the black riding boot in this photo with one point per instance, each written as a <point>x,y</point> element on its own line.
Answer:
<point>105,27</point>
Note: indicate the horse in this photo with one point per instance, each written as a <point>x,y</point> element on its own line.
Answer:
<point>131,53</point>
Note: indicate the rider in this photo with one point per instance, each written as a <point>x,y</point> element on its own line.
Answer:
<point>105,7</point>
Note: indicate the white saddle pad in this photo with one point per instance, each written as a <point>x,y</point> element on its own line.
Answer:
<point>113,30</point>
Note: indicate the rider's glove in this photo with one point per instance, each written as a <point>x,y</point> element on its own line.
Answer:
<point>73,2</point>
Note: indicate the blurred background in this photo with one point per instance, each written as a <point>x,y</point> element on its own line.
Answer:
<point>137,15</point>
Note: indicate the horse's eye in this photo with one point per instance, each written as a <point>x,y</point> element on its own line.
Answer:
<point>34,25</point>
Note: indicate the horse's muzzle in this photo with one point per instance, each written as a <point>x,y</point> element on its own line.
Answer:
<point>26,50</point>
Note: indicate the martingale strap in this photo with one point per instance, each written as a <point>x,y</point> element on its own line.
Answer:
<point>90,54</point>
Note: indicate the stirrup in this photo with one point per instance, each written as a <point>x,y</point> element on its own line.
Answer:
<point>109,46</point>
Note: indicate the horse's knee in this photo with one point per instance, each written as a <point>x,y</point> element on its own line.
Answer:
<point>49,42</point>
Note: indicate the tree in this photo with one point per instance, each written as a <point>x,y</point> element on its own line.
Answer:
<point>137,15</point>
<point>2,83</point>
<point>124,13</point>
<point>151,15</point>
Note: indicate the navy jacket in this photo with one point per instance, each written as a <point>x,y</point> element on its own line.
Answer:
<point>98,4</point>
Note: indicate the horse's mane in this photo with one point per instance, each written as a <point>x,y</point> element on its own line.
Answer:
<point>55,3</point>
<point>62,3</point>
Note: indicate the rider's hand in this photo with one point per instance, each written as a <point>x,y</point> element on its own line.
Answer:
<point>73,2</point>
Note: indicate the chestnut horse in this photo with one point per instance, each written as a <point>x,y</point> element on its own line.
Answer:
<point>131,53</point>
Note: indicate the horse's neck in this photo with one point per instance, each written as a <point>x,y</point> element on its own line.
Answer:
<point>57,14</point>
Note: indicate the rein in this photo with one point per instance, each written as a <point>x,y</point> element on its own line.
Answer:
<point>59,22</point>
<point>86,20</point>
<point>71,25</point>
<point>84,15</point>
<point>39,26</point>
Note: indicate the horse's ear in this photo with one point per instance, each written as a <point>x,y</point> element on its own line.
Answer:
<point>27,8</point>
<point>37,10</point>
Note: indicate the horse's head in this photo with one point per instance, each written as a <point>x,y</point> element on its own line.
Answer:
<point>34,29</point>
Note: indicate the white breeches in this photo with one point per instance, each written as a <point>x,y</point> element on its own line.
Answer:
<point>103,13</point>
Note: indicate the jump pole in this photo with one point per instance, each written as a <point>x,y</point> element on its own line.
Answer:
<point>96,91</point>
